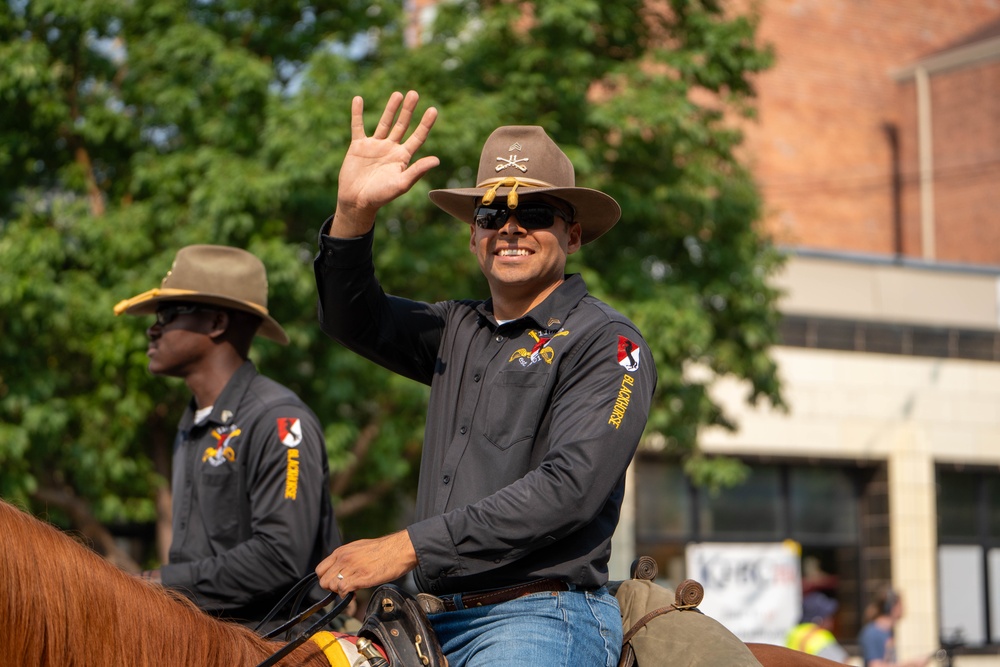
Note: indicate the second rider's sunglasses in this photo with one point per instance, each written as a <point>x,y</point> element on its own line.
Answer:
<point>530,215</point>
<point>167,314</point>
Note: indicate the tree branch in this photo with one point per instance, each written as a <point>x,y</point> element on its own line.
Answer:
<point>80,153</point>
<point>99,538</point>
<point>356,502</point>
<point>160,445</point>
<point>363,443</point>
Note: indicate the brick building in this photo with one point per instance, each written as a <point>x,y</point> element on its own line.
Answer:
<point>837,149</point>
<point>877,150</point>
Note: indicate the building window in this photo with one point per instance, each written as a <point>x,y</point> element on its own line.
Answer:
<point>750,512</point>
<point>887,338</point>
<point>968,509</point>
<point>822,503</point>
<point>815,505</point>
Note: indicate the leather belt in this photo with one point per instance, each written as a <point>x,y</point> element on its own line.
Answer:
<point>435,605</point>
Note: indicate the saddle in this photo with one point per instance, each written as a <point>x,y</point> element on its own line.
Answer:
<point>395,622</point>
<point>664,627</point>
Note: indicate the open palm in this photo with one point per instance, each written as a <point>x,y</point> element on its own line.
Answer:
<point>378,169</point>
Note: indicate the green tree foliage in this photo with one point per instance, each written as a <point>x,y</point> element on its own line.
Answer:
<point>129,129</point>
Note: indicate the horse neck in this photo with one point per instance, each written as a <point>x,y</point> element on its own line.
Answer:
<point>62,604</point>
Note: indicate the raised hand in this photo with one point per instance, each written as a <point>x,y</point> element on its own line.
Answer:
<point>377,169</point>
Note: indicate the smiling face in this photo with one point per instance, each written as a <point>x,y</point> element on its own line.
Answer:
<point>524,266</point>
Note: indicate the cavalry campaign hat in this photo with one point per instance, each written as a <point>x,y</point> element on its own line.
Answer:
<point>215,275</point>
<point>523,159</point>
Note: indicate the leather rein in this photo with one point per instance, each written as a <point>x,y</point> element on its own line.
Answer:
<point>298,591</point>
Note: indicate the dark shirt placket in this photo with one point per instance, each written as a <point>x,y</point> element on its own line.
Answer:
<point>471,392</point>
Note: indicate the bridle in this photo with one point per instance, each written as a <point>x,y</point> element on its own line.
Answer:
<point>298,591</point>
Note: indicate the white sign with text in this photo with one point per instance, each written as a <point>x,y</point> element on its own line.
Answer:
<point>754,590</point>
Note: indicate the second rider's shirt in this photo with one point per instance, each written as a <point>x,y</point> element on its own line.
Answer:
<point>251,507</point>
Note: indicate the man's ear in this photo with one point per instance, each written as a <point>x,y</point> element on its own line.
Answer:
<point>220,323</point>
<point>575,238</point>
<point>472,239</point>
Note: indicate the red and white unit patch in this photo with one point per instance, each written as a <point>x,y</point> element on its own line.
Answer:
<point>628,354</point>
<point>289,431</point>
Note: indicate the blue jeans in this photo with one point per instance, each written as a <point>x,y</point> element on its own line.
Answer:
<point>557,629</point>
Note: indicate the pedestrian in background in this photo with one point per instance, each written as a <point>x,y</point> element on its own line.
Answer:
<point>814,635</point>
<point>877,637</point>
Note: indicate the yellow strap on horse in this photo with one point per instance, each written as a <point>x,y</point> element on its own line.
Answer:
<point>339,652</point>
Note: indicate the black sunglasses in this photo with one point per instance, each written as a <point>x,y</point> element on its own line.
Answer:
<point>168,314</point>
<point>530,215</point>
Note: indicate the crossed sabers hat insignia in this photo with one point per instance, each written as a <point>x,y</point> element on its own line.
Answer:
<point>512,161</point>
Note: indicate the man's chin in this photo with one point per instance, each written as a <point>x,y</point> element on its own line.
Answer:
<point>156,368</point>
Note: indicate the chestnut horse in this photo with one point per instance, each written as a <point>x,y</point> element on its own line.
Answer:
<point>769,655</point>
<point>61,604</point>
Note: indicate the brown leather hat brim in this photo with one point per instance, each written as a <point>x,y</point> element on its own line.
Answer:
<point>146,304</point>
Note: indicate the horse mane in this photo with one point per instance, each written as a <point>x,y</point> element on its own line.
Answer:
<point>62,604</point>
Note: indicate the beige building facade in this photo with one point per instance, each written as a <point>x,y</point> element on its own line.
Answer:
<point>878,154</point>
<point>913,415</point>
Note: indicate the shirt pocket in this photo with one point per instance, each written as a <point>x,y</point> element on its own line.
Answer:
<point>514,403</point>
<point>220,505</point>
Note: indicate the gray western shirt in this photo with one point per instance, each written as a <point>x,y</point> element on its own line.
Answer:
<point>530,426</point>
<point>251,506</point>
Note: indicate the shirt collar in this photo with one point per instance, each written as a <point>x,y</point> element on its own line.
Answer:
<point>551,313</point>
<point>224,410</point>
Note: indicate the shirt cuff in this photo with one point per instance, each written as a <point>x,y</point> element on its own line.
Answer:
<point>437,556</point>
<point>177,576</point>
<point>338,253</point>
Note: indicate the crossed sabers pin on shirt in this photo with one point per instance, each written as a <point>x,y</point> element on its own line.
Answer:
<point>512,161</point>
